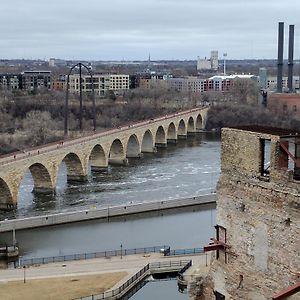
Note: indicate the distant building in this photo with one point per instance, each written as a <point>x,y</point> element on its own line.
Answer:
<point>208,64</point>
<point>102,83</point>
<point>284,104</point>
<point>10,81</point>
<point>188,84</point>
<point>272,83</point>
<point>32,80</point>
<point>59,84</point>
<point>54,62</point>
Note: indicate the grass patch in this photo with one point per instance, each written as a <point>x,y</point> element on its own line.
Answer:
<point>59,288</point>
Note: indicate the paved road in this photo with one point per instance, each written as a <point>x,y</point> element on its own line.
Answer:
<point>130,264</point>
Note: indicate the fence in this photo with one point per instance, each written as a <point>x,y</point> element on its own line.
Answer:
<point>83,256</point>
<point>135,279</point>
<point>189,251</point>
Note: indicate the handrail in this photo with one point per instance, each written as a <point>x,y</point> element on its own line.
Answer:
<point>165,250</point>
<point>136,277</point>
<point>187,266</point>
<point>84,256</point>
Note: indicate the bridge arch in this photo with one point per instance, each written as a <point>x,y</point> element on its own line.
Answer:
<point>160,137</point>
<point>199,122</point>
<point>133,147</point>
<point>171,133</point>
<point>42,181</point>
<point>117,153</point>
<point>181,129</point>
<point>148,142</point>
<point>6,198</point>
<point>191,126</point>
<point>99,161</point>
<point>75,170</point>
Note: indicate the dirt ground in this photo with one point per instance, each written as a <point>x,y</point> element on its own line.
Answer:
<point>62,288</point>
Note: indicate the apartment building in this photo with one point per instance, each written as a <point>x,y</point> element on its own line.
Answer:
<point>10,81</point>
<point>102,83</point>
<point>188,84</point>
<point>32,80</point>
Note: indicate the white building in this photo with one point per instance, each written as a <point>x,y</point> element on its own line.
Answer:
<point>208,64</point>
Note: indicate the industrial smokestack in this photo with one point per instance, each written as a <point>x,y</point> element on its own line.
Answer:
<point>291,58</point>
<point>280,56</point>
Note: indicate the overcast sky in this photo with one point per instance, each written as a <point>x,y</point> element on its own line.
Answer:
<point>131,29</point>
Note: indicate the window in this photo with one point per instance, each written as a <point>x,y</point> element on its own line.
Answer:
<point>265,150</point>
<point>219,296</point>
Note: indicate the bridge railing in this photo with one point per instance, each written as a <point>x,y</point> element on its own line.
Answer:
<point>34,151</point>
<point>136,278</point>
<point>82,256</point>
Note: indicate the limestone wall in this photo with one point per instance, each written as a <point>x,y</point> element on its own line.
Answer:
<point>262,219</point>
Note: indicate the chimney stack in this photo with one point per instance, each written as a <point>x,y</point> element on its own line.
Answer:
<point>291,58</point>
<point>280,56</point>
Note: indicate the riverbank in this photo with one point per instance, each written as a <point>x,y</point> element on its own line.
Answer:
<point>101,213</point>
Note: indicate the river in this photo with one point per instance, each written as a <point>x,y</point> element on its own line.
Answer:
<point>188,169</point>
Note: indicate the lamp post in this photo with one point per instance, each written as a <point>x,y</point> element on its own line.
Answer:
<point>121,246</point>
<point>24,268</point>
<point>66,112</point>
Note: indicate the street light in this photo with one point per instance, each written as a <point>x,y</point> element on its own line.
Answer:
<point>121,246</point>
<point>79,65</point>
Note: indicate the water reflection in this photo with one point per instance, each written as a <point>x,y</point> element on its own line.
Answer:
<point>160,289</point>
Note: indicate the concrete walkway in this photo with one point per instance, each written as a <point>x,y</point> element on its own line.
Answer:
<point>130,264</point>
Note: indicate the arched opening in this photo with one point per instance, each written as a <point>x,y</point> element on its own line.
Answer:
<point>191,126</point>
<point>74,169</point>
<point>117,154</point>
<point>41,179</point>
<point>181,130</point>
<point>160,138</point>
<point>171,134</point>
<point>133,147</point>
<point>6,199</point>
<point>199,123</point>
<point>148,143</point>
<point>36,189</point>
<point>98,159</point>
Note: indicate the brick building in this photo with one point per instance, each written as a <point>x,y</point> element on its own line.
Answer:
<point>256,247</point>
<point>284,104</point>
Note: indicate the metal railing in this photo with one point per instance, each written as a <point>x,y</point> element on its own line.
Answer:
<point>181,272</point>
<point>189,251</point>
<point>135,279</point>
<point>83,256</point>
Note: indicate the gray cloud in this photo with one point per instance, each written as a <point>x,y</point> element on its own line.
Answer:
<point>116,29</point>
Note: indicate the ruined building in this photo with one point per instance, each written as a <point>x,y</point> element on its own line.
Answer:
<point>256,250</point>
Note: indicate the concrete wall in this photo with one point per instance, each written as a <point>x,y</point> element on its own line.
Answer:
<point>101,149</point>
<point>98,213</point>
<point>261,216</point>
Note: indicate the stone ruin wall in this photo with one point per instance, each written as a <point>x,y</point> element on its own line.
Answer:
<point>262,219</point>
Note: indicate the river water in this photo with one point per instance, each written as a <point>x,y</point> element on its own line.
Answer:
<point>188,169</point>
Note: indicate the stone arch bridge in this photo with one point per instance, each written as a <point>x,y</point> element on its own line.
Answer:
<point>97,151</point>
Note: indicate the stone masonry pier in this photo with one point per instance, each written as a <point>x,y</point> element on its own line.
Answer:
<point>95,151</point>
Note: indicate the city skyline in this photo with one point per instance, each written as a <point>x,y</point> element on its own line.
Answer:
<point>130,30</point>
